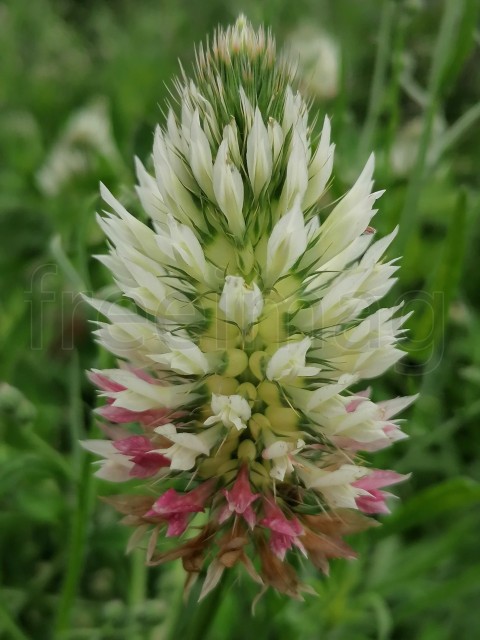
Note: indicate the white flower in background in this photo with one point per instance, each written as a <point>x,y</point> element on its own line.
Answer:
<point>87,133</point>
<point>318,58</point>
<point>252,309</point>
<point>404,150</point>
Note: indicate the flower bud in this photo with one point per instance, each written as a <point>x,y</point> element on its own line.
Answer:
<point>247,450</point>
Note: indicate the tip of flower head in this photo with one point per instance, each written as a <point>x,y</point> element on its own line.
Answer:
<point>237,57</point>
<point>241,21</point>
<point>243,37</point>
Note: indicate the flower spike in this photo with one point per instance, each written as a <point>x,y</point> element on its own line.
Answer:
<point>247,323</point>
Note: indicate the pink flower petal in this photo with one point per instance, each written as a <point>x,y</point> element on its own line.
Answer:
<point>283,532</point>
<point>104,383</point>
<point>174,502</point>
<point>175,507</point>
<point>373,503</point>
<point>239,499</point>
<point>133,445</point>
<point>153,417</point>
<point>378,479</point>
<point>146,465</point>
<point>177,523</point>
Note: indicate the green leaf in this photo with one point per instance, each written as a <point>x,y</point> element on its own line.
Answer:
<point>458,493</point>
<point>430,324</point>
<point>442,593</point>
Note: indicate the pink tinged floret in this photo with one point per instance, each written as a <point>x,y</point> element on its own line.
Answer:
<point>360,397</point>
<point>284,533</point>
<point>374,500</point>
<point>146,463</point>
<point>150,417</point>
<point>376,445</point>
<point>104,383</point>
<point>176,508</point>
<point>392,431</point>
<point>239,500</point>
<point>392,434</point>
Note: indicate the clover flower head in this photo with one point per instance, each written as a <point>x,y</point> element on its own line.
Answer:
<point>246,331</point>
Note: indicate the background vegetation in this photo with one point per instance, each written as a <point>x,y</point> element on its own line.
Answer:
<point>407,87</point>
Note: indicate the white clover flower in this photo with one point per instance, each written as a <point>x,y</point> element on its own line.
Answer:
<point>232,411</point>
<point>281,452</point>
<point>186,447</point>
<point>318,57</point>
<point>86,134</point>
<point>251,312</point>
<point>185,356</point>
<point>406,143</point>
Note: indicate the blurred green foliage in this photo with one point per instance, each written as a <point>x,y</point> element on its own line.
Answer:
<point>408,89</point>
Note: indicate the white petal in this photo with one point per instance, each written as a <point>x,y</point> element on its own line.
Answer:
<point>288,362</point>
<point>228,188</point>
<point>286,244</point>
<point>259,154</point>
<point>320,167</point>
<point>296,180</point>
<point>201,156</point>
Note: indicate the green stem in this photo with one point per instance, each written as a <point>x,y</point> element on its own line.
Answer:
<point>76,548</point>
<point>377,90</point>
<point>453,135</point>
<point>445,42</point>
<point>137,591</point>
<point>343,28</point>
<point>195,619</point>
<point>394,85</point>
<point>66,265</point>
<point>81,515</point>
